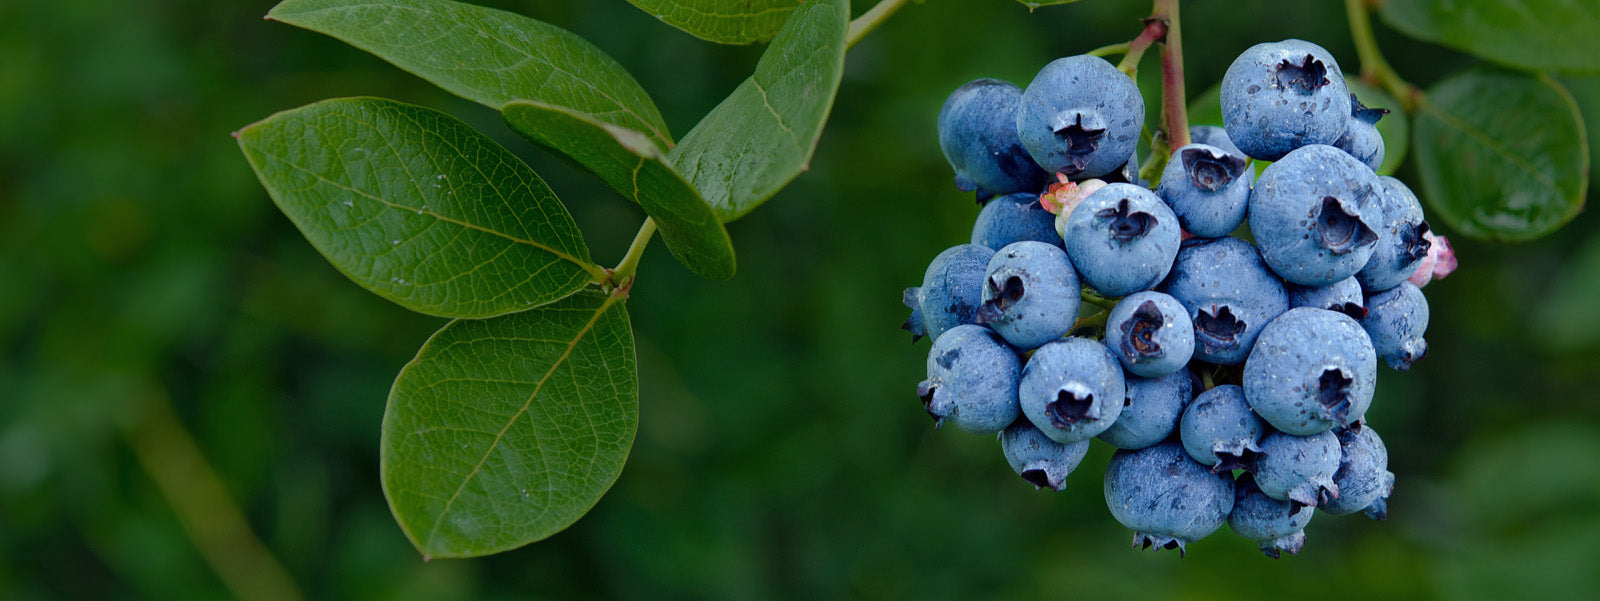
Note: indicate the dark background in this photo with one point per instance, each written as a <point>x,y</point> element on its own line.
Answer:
<point>146,277</point>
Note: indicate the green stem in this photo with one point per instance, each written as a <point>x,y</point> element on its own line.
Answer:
<point>1206,379</point>
<point>1096,319</point>
<point>1105,51</point>
<point>1089,296</point>
<point>863,25</point>
<point>1154,29</point>
<point>1374,69</point>
<point>1174,103</point>
<point>622,274</point>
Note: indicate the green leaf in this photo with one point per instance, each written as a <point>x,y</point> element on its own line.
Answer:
<point>418,207</point>
<point>485,55</point>
<point>723,21</point>
<point>1395,127</point>
<point>633,165</point>
<point>763,134</point>
<point>504,431</point>
<point>1502,155</point>
<point>1032,4</point>
<point>1554,35</point>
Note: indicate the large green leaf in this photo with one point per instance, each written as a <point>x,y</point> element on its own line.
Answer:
<point>419,207</point>
<point>505,431</point>
<point>763,134</point>
<point>723,21</point>
<point>1534,34</point>
<point>1502,155</point>
<point>633,165</point>
<point>485,55</point>
<point>1395,127</point>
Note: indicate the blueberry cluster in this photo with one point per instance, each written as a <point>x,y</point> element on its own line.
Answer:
<point>1221,330</point>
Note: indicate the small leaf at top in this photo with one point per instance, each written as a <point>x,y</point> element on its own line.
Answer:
<point>418,207</point>
<point>1556,35</point>
<point>485,55</point>
<point>723,21</point>
<point>762,135</point>
<point>504,431</point>
<point>1502,155</point>
<point>1395,127</point>
<point>633,165</point>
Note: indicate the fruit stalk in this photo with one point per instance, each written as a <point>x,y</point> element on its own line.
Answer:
<point>1374,69</point>
<point>1154,30</point>
<point>863,25</point>
<point>1174,110</point>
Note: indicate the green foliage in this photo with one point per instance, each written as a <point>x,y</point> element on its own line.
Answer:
<point>1502,155</point>
<point>504,431</point>
<point>1032,4</point>
<point>723,21</point>
<point>418,207</point>
<point>764,133</point>
<point>1554,35</point>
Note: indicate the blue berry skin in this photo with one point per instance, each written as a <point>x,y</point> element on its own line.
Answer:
<point>1150,333</point>
<point>1276,526</point>
<point>1361,138</point>
<point>1044,463</point>
<point>1229,293</point>
<point>1280,96</point>
<point>1315,214</point>
<point>1207,190</point>
<point>1299,469</point>
<point>1402,238</point>
<point>978,134</point>
<point>1396,320</point>
<point>1014,218</point>
<point>1151,410</point>
<point>1219,429</point>
<point>1311,370</point>
<point>1080,117</point>
<point>1215,135</point>
<point>951,289</point>
<point>1166,498</point>
<point>913,323</point>
<point>1363,477</point>
<point>972,381</point>
<point>1030,294</point>
<point>1072,389</point>
<point>1122,239</point>
<point>1343,296</point>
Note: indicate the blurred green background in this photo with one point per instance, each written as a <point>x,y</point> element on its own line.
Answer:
<point>148,287</point>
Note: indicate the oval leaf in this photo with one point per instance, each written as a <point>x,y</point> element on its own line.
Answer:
<point>1395,127</point>
<point>723,21</point>
<point>418,207</point>
<point>1533,34</point>
<point>504,431</point>
<point>763,134</point>
<point>1502,155</point>
<point>485,55</point>
<point>633,165</point>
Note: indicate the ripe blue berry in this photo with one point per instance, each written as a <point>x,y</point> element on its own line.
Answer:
<point>978,134</point>
<point>1080,116</point>
<point>1122,239</point>
<point>1014,218</point>
<point>1044,463</point>
<point>1363,477</point>
<point>1361,138</point>
<point>972,380</point>
<point>1151,410</point>
<point>1403,240</point>
<point>1315,215</point>
<point>1396,320</point>
<point>951,290</point>
<point>1207,190</point>
<point>1343,296</point>
<point>1229,293</point>
<point>1030,294</point>
<point>1311,370</point>
<point>1150,334</point>
<point>1279,96</point>
<point>1166,498</point>
<point>1072,389</point>
<point>1275,525</point>
<point>1213,135</point>
<point>1299,469</point>
<point>1219,429</point>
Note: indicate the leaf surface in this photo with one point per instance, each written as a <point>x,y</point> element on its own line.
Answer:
<point>1557,35</point>
<point>723,21</point>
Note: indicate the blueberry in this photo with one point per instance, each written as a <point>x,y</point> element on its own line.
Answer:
<point>978,134</point>
<point>1072,389</point>
<point>1030,294</point>
<point>1279,96</point>
<point>1039,460</point>
<point>1343,296</point>
<point>1122,239</point>
<point>1311,370</point>
<point>1229,293</point>
<point>1315,215</point>
<point>1151,410</point>
<point>1396,320</point>
<point>1363,476</point>
<point>972,380</point>
<point>1276,526</point>
<point>1219,429</point>
<point>1213,135</point>
<point>951,290</point>
<point>1403,238</point>
<point>1299,469</point>
<point>1361,138</point>
<point>1150,333</point>
<point>1014,218</point>
<point>1165,497</point>
<point>1080,116</point>
<point>1206,188</point>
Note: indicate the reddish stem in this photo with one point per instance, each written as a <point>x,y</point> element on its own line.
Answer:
<point>1174,109</point>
